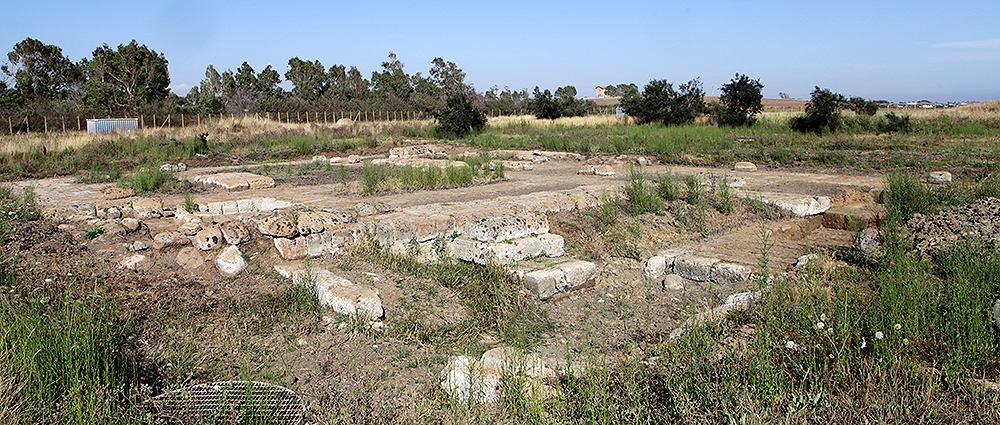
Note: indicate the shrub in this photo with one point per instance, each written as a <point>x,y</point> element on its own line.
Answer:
<point>459,117</point>
<point>667,187</point>
<point>740,102</point>
<point>148,180</point>
<point>892,123</point>
<point>660,103</point>
<point>822,112</point>
<point>641,197</point>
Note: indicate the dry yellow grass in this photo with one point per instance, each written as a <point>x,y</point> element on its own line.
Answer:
<point>221,131</point>
<point>589,120</point>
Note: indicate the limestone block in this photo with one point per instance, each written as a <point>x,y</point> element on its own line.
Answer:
<point>543,283</point>
<point>244,206</point>
<point>138,246</point>
<point>230,208</point>
<point>742,300</point>
<point>365,209</point>
<point>118,192</point>
<point>277,225</point>
<point>799,205</point>
<point>131,224</point>
<point>425,252</point>
<point>939,177</point>
<point>230,262</point>
<point>576,273</point>
<point>456,378</point>
<point>502,227</point>
<point>744,166</point>
<point>342,295</point>
<point>235,232</point>
<point>291,249</point>
<point>148,207</point>
<point>695,268</point>
<point>236,181</point>
<point>604,170</point>
<point>173,238</point>
<point>506,253</point>
<point>586,170</point>
<point>207,239</point>
<point>318,244</point>
<point>136,262</point>
<point>552,245</point>
<point>727,273</point>
<point>190,258</point>
<point>354,159</point>
<point>268,204</point>
<point>320,158</point>
<point>317,221</point>
<point>344,122</point>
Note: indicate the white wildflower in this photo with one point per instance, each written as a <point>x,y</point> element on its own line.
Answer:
<point>831,356</point>
<point>863,343</point>
<point>822,317</point>
<point>879,335</point>
<point>790,345</point>
<point>906,341</point>
<point>820,325</point>
<point>897,326</point>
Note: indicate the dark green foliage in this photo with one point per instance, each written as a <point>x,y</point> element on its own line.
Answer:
<point>122,80</point>
<point>660,103</point>
<point>861,106</point>
<point>544,106</point>
<point>892,123</point>
<point>822,112</point>
<point>459,117</point>
<point>567,92</point>
<point>740,102</point>
<point>41,73</point>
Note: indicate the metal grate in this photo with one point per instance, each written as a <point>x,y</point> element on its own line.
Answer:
<point>230,401</point>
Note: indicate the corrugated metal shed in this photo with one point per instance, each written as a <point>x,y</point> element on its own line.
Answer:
<point>110,125</point>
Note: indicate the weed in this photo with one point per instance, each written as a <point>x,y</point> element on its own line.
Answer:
<point>95,231</point>
<point>641,197</point>
<point>148,180</point>
<point>723,194</point>
<point>694,191</point>
<point>667,187</point>
<point>189,205</point>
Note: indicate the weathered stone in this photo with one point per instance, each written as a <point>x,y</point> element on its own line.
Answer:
<point>118,192</point>
<point>136,262</point>
<point>353,159</point>
<point>342,295</point>
<point>365,209</point>
<point>656,266</point>
<point>586,170</point>
<point>230,261</point>
<point>320,158</point>
<point>344,122</point>
<point>797,204</point>
<point>728,273</point>
<point>190,258</point>
<point>939,177</point>
<point>870,240</point>
<point>291,249</point>
<point>742,300</point>
<point>235,232</point>
<point>236,181</point>
<point>506,253</point>
<point>277,226</point>
<point>504,227</point>
<point>148,207</point>
<point>317,221</point>
<point>207,239</point>
<point>318,244</point>
<point>543,283</point>
<point>138,246</point>
<point>288,270</point>
<point>189,229</point>
<point>112,213</point>
<point>173,238</point>
<point>456,378</point>
<point>604,170</point>
<point>131,224</point>
<point>173,168</point>
<point>744,166</point>
<point>576,273</point>
<point>695,268</point>
<point>673,282</point>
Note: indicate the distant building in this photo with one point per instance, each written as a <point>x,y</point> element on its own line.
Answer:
<point>600,91</point>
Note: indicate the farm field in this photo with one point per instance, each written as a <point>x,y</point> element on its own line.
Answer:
<point>579,270</point>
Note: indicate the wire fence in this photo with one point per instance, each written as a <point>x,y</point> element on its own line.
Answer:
<point>76,123</point>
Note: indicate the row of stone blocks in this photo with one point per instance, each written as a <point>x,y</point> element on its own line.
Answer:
<point>244,206</point>
<point>693,267</point>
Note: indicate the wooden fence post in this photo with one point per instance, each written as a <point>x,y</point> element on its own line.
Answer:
<point>154,121</point>
<point>10,126</point>
<point>77,123</point>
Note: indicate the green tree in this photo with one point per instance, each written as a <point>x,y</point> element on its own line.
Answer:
<point>863,107</point>
<point>543,106</point>
<point>309,79</point>
<point>822,112</point>
<point>568,92</point>
<point>741,101</point>
<point>459,117</point>
<point>123,80</point>
<point>660,103</point>
<point>391,87</point>
<point>208,97</point>
<point>41,73</point>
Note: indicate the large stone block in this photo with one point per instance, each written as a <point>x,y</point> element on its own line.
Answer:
<point>235,232</point>
<point>342,295</point>
<point>148,207</point>
<point>291,249</point>
<point>576,273</point>
<point>543,283</point>
<point>230,261</point>
<point>506,253</point>
<point>317,221</point>
<point>236,181</point>
<point>694,268</point>
<point>207,239</point>
<point>504,227</point>
<point>277,225</point>
<point>727,273</point>
<point>561,277</point>
<point>318,244</point>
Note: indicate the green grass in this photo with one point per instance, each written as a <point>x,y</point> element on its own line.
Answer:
<point>148,179</point>
<point>377,178</point>
<point>640,196</point>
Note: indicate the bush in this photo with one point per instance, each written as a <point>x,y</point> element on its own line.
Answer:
<point>660,103</point>
<point>459,117</point>
<point>740,102</point>
<point>641,197</point>
<point>892,123</point>
<point>822,112</point>
<point>544,106</point>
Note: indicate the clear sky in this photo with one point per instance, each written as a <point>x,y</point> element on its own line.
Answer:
<point>900,50</point>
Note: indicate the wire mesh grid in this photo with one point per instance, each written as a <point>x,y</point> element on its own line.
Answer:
<point>230,401</point>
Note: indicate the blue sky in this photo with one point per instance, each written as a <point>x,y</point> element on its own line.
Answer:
<point>881,49</point>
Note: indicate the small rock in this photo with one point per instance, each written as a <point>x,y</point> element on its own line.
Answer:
<point>235,232</point>
<point>174,238</point>
<point>604,170</point>
<point>996,312</point>
<point>148,207</point>
<point>673,282</point>
<point>113,213</point>
<point>365,209</point>
<point>655,267</point>
<point>320,158</point>
<point>939,177</point>
<point>207,239</point>
<point>343,122</point>
<point>869,240</point>
<point>190,229</point>
<point>353,159</point>
<point>744,166</point>
<point>118,192</point>
<point>230,262</point>
<point>131,224</point>
<point>138,246</point>
<point>136,262</point>
<point>277,226</point>
<point>586,170</point>
<point>456,379</point>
